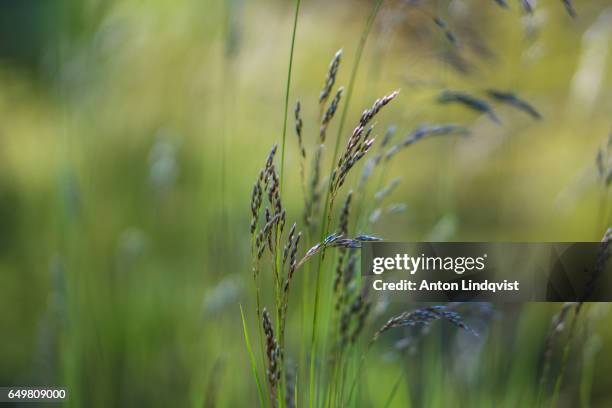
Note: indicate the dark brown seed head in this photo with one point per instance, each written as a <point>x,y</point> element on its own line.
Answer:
<point>569,7</point>
<point>273,353</point>
<point>255,205</point>
<point>344,215</point>
<point>265,234</point>
<point>527,6</point>
<point>426,131</point>
<point>343,229</point>
<point>270,159</point>
<point>339,269</point>
<point>298,128</point>
<point>289,243</point>
<point>368,114</point>
<point>333,107</point>
<point>292,266</point>
<point>423,317</point>
<point>362,315</point>
<point>599,162</point>
<point>358,144</point>
<point>281,221</point>
<point>292,257</point>
<point>331,77</point>
<point>329,113</point>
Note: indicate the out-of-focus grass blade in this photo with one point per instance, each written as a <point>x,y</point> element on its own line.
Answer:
<point>394,390</point>
<point>295,391</point>
<point>252,358</point>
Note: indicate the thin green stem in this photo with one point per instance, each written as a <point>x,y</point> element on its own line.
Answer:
<point>252,358</point>
<point>288,87</point>
<point>282,179</point>
<point>586,379</point>
<point>256,271</point>
<point>325,219</point>
<point>394,389</point>
<point>353,77</point>
<point>313,339</point>
<point>359,369</point>
<point>566,354</point>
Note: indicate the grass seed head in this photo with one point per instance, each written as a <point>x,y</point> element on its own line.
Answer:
<point>298,128</point>
<point>569,7</point>
<point>359,143</point>
<point>469,101</point>
<point>329,113</point>
<point>391,131</point>
<point>527,6</point>
<point>270,159</point>
<point>344,214</point>
<point>273,354</point>
<point>289,243</point>
<point>424,317</point>
<point>387,190</point>
<point>368,114</point>
<point>256,196</point>
<point>426,131</point>
<point>331,77</point>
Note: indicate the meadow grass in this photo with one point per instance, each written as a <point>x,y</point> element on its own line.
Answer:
<point>335,366</point>
<point>128,150</point>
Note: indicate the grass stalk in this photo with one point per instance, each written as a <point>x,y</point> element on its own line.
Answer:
<point>354,70</point>
<point>282,173</point>
<point>394,389</point>
<point>566,355</point>
<point>325,218</point>
<point>252,359</point>
<point>287,89</point>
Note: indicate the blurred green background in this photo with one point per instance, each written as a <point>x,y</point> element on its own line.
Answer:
<point>131,133</point>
